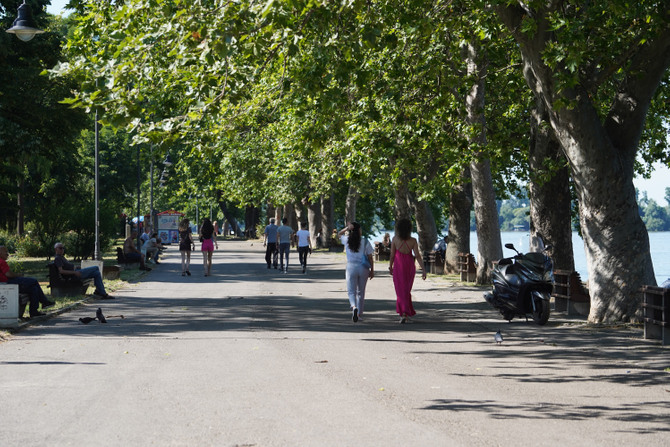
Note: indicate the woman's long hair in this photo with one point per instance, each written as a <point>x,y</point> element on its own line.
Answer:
<point>207,229</point>
<point>354,241</point>
<point>403,229</point>
<point>184,225</point>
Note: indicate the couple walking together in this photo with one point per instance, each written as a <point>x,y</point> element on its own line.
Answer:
<point>207,237</point>
<point>360,267</point>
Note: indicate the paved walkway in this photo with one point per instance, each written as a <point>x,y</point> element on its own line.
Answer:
<point>253,357</point>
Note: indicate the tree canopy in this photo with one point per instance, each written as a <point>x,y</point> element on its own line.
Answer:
<point>285,101</point>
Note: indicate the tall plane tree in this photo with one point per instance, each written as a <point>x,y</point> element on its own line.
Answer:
<point>597,67</point>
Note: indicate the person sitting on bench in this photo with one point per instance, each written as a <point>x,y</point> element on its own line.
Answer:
<point>151,248</point>
<point>29,286</point>
<point>67,268</point>
<point>131,252</point>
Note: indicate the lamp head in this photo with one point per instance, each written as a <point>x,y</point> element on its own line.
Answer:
<point>24,26</point>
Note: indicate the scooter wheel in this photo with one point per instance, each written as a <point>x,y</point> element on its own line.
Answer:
<point>542,308</point>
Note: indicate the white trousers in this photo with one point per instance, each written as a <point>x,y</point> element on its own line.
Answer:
<point>357,279</point>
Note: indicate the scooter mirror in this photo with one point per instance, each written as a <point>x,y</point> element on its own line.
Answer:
<point>510,246</point>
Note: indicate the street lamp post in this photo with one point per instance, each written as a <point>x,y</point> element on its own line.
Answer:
<point>138,196</point>
<point>24,26</point>
<point>96,253</point>
<point>151,196</point>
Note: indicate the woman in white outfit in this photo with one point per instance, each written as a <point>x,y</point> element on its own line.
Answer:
<point>360,267</point>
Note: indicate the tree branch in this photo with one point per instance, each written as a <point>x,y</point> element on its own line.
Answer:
<point>625,121</point>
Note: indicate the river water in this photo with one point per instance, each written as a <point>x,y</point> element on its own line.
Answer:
<point>659,243</point>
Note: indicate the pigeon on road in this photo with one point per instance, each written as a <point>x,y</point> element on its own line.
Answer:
<point>498,337</point>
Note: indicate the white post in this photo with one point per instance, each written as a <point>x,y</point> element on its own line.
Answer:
<point>9,305</point>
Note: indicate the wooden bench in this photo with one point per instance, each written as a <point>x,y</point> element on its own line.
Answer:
<point>569,293</point>
<point>433,262</point>
<point>656,313</point>
<point>68,285</point>
<point>467,267</point>
<point>121,258</point>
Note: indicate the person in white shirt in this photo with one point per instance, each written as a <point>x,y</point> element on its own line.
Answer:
<point>360,267</point>
<point>146,235</point>
<point>150,248</point>
<point>304,245</point>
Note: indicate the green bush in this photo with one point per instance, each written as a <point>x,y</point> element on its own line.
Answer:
<point>15,265</point>
<point>29,247</point>
<point>9,240</point>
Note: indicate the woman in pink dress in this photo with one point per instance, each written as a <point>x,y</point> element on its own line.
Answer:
<point>404,252</point>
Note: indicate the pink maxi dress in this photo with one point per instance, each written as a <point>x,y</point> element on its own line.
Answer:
<point>404,270</point>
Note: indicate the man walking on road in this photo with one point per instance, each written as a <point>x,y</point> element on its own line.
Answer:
<point>284,234</point>
<point>270,241</point>
<point>304,245</point>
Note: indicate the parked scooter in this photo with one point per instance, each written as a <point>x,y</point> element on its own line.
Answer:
<point>522,285</point>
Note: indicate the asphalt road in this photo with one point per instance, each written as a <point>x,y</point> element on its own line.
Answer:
<point>253,357</point>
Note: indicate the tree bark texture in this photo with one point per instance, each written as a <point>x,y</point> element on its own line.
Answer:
<point>549,192</point>
<point>289,215</point>
<point>486,212</point>
<point>425,225</point>
<point>327,219</point>
<point>20,211</point>
<point>350,205</point>
<point>299,210</point>
<point>460,205</point>
<point>270,212</point>
<point>223,206</point>
<point>314,221</point>
<point>402,207</point>
<point>601,154</point>
<point>251,219</point>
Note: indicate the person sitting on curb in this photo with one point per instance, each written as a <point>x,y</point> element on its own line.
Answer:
<point>29,286</point>
<point>67,268</point>
<point>132,253</point>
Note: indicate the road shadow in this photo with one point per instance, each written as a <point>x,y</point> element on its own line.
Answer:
<point>654,412</point>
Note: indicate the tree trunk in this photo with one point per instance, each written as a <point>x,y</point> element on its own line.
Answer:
<point>402,208</point>
<point>20,229</point>
<point>270,212</point>
<point>289,215</point>
<point>549,192</point>
<point>229,217</point>
<point>299,211</point>
<point>601,154</point>
<point>350,205</point>
<point>327,219</point>
<point>314,222</point>
<point>251,219</point>
<point>425,226</point>
<point>486,213</point>
<point>459,222</point>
